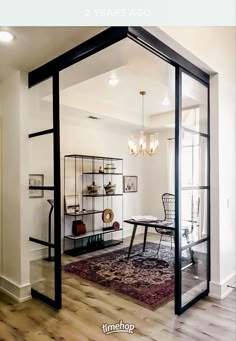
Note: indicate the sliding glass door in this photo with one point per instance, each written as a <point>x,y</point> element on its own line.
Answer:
<point>192,190</point>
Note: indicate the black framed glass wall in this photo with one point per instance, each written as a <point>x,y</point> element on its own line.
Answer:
<point>193,192</point>
<point>44,193</point>
<point>193,146</point>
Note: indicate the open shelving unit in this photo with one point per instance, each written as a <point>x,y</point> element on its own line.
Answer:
<point>80,171</point>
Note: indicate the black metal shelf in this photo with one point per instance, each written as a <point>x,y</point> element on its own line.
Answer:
<point>92,233</point>
<point>102,195</point>
<point>96,173</point>
<point>88,157</point>
<point>88,212</point>
<point>86,249</point>
<point>85,170</point>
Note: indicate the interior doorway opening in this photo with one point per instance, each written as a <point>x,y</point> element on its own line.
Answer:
<point>98,103</point>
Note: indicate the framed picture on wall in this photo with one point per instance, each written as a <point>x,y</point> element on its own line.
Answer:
<point>36,180</point>
<point>130,184</point>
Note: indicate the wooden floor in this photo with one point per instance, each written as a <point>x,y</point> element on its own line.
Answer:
<point>86,308</point>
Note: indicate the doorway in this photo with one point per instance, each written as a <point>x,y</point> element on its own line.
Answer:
<point>191,152</point>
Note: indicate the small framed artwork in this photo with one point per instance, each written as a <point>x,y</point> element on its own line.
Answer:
<point>130,184</point>
<point>36,180</point>
<point>72,205</point>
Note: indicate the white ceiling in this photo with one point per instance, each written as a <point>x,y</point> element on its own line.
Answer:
<point>34,46</point>
<point>135,68</point>
<point>85,86</point>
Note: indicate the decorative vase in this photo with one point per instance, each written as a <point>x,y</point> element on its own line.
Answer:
<point>93,189</point>
<point>109,188</point>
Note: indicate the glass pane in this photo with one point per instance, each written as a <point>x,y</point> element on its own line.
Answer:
<point>194,272</point>
<point>41,147</point>
<point>42,276</point>
<point>41,160</point>
<point>41,215</point>
<point>194,105</point>
<point>39,209</point>
<point>41,109</point>
<point>194,208</point>
<point>194,161</point>
<point>193,215</point>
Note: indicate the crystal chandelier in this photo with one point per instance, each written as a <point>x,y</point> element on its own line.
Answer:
<point>142,146</point>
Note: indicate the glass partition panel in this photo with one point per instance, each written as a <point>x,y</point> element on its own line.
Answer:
<point>41,215</point>
<point>40,102</point>
<point>45,268</point>
<point>42,276</point>
<point>194,271</point>
<point>41,161</point>
<point>193,208</point>
<point>194,215</point>
<point>194,160</point>
<point>194,105</point>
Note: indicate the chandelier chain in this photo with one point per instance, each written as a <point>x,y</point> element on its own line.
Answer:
<point>142,147</point>
<point>142,112</point>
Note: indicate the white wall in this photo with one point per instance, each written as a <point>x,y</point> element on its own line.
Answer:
<point>15,266</point>
<point>156,176</point>
<point>88,137</point>
<point>82,135</point>
<point>96,137</point>
<point>215,48</point>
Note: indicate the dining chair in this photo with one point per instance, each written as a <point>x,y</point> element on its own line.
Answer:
<point>168,201</point>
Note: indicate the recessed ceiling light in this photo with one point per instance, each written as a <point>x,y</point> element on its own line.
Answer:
<point>113,81</point>
<point>166,101</point>
<point>6,37</point>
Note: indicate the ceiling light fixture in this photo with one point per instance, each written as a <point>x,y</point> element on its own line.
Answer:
<point>6,37</point>
<point>113,81</point>
<point>166,101</point>
<point>142,148</point>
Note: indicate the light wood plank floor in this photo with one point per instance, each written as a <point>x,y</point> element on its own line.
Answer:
<point>86,308</point>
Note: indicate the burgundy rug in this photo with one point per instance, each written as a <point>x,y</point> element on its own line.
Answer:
<point>144,279</point>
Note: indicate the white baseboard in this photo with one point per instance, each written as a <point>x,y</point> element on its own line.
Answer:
<point>18,293</point>
<point>221,290</point>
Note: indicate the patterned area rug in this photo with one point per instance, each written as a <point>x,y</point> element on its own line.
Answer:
<point>144,279</point>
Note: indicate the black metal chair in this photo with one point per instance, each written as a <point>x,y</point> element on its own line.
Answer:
<point>168,201</point>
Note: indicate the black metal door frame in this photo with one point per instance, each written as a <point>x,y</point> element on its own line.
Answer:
<point>179,308</point>
<point>95,44</point>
